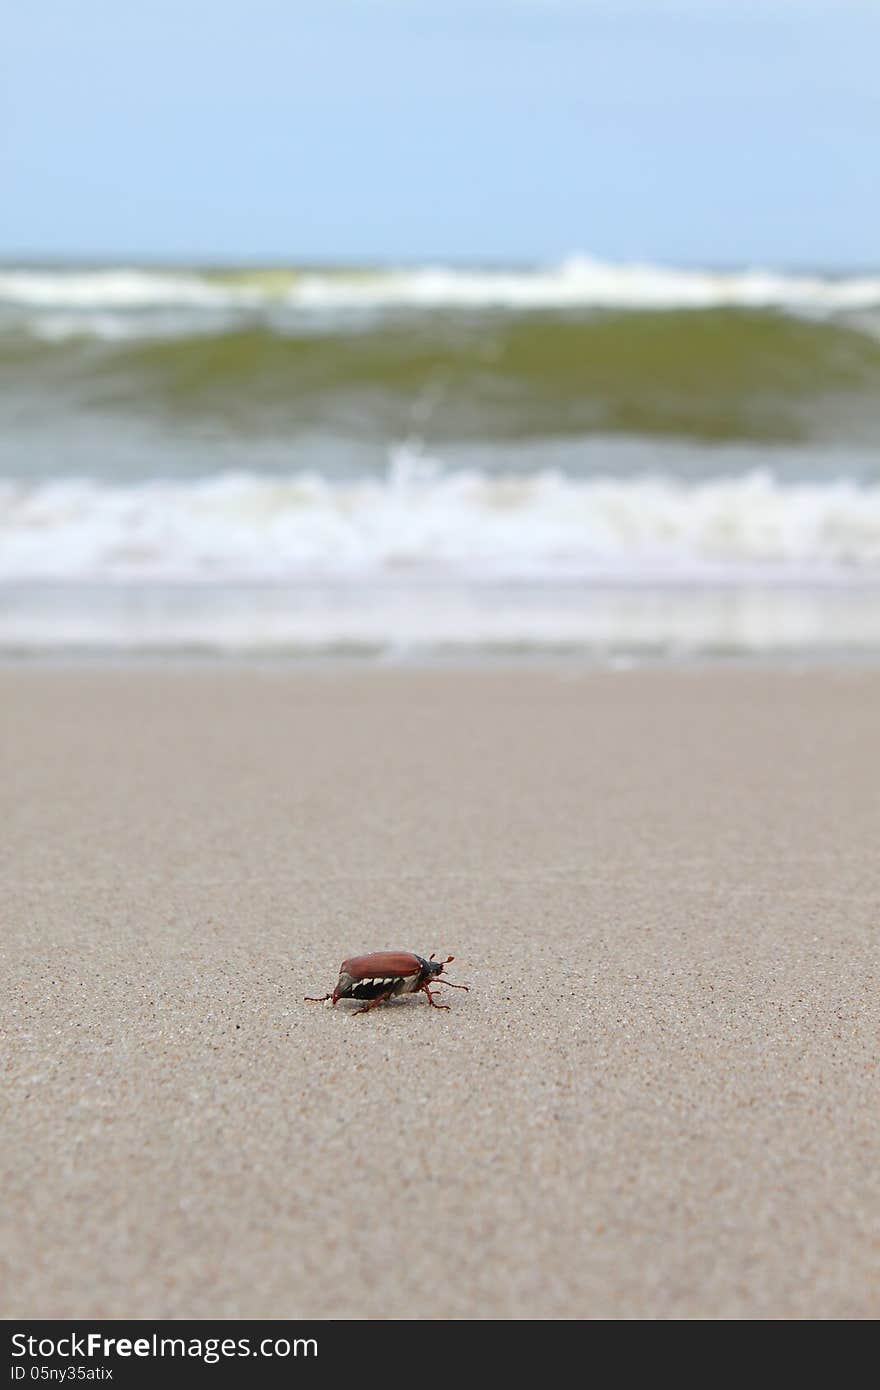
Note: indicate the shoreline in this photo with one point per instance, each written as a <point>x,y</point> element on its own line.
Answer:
<point>461,622</point>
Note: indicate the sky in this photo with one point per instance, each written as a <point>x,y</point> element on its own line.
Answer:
<point>718,132</point>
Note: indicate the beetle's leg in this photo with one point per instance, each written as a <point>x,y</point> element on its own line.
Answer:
<point>431,999</point>
<point>450,984</point>
<point>380,999</point>
<point>314,999</point>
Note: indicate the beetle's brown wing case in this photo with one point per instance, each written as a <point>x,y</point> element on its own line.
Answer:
<point>381,965</point>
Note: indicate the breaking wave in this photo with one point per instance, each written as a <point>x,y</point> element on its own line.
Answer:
<point>579,282</point>
<point>421,523</point>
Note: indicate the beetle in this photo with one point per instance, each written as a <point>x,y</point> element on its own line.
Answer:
<point>382,974</point>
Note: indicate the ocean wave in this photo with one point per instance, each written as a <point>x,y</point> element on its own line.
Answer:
<point>716,375</point>
<point>423,524</point>
<point>577,283</point>
<point>120,289</point>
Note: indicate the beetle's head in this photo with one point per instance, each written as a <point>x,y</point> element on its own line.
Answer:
<point>435,967</point>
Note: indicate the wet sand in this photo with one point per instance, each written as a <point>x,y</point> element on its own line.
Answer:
<point>660,1099</point>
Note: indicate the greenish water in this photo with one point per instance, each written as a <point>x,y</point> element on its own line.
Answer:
<point>409,443</point>
<point>711,376</point>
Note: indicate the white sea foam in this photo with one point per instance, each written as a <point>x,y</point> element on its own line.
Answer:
<point>120,289</point>
<point>580,282</point>
<point>584,282</point>
<point>112,326</point>
<point>420,524</point>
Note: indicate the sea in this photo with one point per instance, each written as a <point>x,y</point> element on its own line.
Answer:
<point>618,461</point>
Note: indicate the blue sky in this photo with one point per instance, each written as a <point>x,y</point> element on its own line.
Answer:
<point>493,130</point>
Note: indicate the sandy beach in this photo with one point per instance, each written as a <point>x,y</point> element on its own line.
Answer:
<point>659,1099</point>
